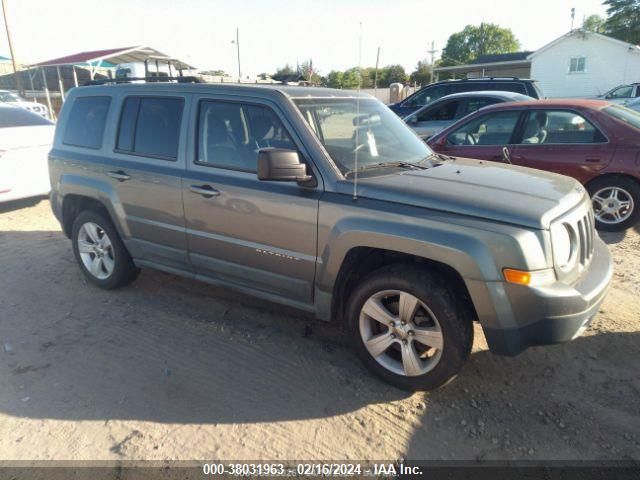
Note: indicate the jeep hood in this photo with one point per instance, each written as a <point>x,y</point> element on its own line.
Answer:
<point>483,189</point>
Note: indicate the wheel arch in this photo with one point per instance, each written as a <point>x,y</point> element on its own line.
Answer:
<point>599,178</point>
<point>77,193</point>
<point>360,261</point>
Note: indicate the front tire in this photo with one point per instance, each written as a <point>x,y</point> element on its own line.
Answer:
<point>102,256</point>
<point>408,328</point>
<point>616,203</point>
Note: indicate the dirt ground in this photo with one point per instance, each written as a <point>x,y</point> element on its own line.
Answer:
<point>170,368</point>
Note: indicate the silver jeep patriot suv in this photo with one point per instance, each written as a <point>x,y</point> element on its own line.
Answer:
<point>326,201</point>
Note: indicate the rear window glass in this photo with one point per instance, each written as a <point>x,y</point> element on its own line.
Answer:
<point>627,115</point>
<point>511,87</point>
<point>150,126</point>
<point>85,125</point>
<point>19,117</point>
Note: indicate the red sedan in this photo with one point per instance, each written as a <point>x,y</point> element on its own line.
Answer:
<point>594,141</point>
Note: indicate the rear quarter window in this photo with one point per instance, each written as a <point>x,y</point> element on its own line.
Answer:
<point>85,125</point>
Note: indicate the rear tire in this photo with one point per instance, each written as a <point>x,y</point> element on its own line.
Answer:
<point>100,253</point>
<point>616,202</point>
<point>397,308</point>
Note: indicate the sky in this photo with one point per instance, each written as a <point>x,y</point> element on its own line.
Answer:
<point>276,32</point>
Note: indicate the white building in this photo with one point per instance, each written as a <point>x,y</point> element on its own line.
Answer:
<point>584,64</point>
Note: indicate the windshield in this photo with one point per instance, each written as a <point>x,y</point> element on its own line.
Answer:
<point>9,97</point>
<point>628,116</point>
<point>364,129</point>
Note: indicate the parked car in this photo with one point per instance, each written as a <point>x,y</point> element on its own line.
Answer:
<point>16,100</point>
<point>25,141</point>
<point>440,114</point>
<point>622,94</point>
<point>249,187</point>
<point>437,90</point>
<point>593,141</point>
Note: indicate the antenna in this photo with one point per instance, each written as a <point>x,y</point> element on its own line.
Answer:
<point>355,170</point>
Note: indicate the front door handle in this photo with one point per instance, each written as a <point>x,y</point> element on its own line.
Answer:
<point>205,190</point>
<point>119,175</point>
<point>592,159</point>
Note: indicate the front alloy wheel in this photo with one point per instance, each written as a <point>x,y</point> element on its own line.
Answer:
<point>410,326</point>
<point>401,333</point>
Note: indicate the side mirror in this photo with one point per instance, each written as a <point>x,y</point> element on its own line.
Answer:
<point>281,165</point>
<point>412,120</point>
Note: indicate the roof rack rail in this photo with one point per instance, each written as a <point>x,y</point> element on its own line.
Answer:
<point>108,81</point>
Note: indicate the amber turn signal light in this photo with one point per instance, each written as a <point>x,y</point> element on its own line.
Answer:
<point>520,277</point>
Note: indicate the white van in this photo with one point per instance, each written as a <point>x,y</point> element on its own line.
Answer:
<point>137,70</point>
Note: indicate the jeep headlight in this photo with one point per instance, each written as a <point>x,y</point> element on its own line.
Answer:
<point>563,242</point>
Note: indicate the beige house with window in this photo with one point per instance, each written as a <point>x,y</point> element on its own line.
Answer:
<point>584,64</point>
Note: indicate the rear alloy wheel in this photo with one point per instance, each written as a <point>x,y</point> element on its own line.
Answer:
<point>615,203</point>
<point>409,328</point>
<point>96,250</point>
<point>102,256</point>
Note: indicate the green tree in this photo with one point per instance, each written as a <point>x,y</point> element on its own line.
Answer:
<point>284,71</point>
<point>350,78</point>
<point>475,41</point>
<point>422,74</point>
<point>623,20</point>
<point>334,79</point>
<point>593,23</point>
<point>391,74</point>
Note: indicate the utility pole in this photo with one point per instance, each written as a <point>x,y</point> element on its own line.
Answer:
<point>375,79</point>
<point>573,16</point>
<point>433,52</point>
<point>237,42</point>
<point>11,52</point>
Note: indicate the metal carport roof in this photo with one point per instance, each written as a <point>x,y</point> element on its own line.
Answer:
<point>114,56</point>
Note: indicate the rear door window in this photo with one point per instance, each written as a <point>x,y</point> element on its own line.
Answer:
<point>150,126</point>
<point>475,104</point>
<point>427,95</point>
<point>85,125</point>
<point>444,112</point>
<point>559,127</point>
<point>470,86</point>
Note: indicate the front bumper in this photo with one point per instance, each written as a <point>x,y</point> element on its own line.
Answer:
<point>551,314</point>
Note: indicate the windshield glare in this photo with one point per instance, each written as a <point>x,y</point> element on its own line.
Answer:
<point>365,130</point>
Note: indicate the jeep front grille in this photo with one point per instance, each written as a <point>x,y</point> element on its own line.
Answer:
<point>585,233</point>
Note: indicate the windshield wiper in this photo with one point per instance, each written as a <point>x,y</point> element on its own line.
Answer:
<point>372,166</point>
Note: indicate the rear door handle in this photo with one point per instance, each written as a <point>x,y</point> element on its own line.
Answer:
<point>119,175</point>
<point>206,191</point>
<point>593,159</point>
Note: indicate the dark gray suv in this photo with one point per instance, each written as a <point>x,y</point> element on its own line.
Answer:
<point>326,201</point>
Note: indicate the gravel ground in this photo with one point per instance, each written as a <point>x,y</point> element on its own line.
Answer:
<point>170,368</point>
